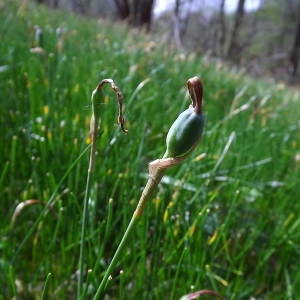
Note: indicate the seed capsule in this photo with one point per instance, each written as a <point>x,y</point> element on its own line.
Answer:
<point>187,129</point>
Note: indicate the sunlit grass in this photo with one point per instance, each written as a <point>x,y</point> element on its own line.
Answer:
<point>226,220</point>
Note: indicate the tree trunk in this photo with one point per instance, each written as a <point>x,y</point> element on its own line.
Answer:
<point>180,21</point>
<point>234,48</point>
<point>294,55</point>
<point>222,28</point>
<point>176,25</point>
<point>219,31</point>
<point>146,13</point>
<point>137,12</point>
<point>123,9</point>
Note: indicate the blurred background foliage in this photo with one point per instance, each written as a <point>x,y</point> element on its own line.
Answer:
<point>262,38</point>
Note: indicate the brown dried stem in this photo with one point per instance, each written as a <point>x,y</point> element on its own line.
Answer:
<point>119,98</point>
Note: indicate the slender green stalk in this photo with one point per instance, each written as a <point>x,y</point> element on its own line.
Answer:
<point>153,181</point>
<point>177,272</point>
<point>97,103</point>
<point>46,287</point>
<point>88,280</point>
<point>83,231</point>
<point>124,242</point>
<point>121,288</point>
<point>12,282</point>
<point>109,219</point>
<point>4,172</point>
<point>13,161</point>
<point>157,170</point>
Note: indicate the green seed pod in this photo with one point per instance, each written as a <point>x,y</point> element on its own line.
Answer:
<point>187,129</point>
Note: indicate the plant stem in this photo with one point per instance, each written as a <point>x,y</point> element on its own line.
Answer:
<point>157,170</point>
<point>117,256</point>
<point>97,101</point>
<point>94,132</point>
<point>82,244</point>
<point>176,274</point>
<point>13,162</point>
<point>153,181</point>
<point>46,287</point>
<point>12,282</point>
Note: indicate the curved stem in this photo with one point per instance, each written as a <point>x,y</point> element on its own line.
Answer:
<point>93,132</point>
<point>97,101</point>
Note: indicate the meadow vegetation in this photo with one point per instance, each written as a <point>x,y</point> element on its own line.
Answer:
<point>226,219</point>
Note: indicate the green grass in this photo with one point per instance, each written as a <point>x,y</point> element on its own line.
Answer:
<point>228,222</point>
